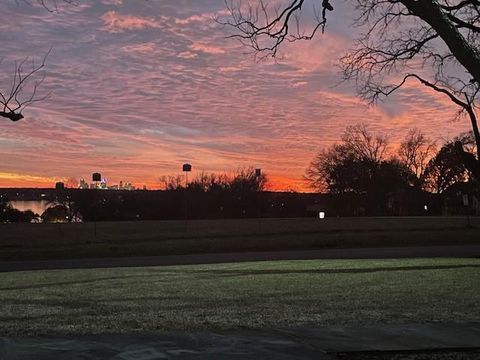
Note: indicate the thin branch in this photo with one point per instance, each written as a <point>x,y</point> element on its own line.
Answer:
<point>15,102</point>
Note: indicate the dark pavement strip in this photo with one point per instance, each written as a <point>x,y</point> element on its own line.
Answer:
<point>455,251</point>
<point>295,343</point>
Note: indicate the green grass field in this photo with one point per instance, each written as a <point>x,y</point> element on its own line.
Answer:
<point>251,295</point>
<point>113,239</point>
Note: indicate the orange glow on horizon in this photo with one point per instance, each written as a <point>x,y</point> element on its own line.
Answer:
<point>276,183</point>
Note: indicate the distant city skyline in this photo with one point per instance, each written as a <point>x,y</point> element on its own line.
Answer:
<point>141,89</point>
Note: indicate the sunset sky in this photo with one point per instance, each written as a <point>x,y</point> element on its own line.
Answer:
<point>140,87</point>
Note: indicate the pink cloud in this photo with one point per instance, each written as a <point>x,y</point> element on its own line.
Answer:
<point>195,18</point>
<point>144,48</point>
<point>112,2</point>
<point>116,23</point>
<point>207,48</point>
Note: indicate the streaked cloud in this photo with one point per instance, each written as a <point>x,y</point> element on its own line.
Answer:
<point>144,48</point>
<point>116,23</point>
<point>112,2</point>
<point>139,87</point>
<point>27,180</point>
<point>207,48</point>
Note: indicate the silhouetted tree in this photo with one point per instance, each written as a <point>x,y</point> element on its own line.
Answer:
<point>467,154</point>
<point>172,182</point>
<point>9,214</point>
<point>349,165</point>
<point>4,204</point>
<point>446,167</point>
<point>245,180</point>
<point>55,214</point>
<point>63,200</point>
<point>15,216</point>
<point>415,151</point>
<point>359,166</point>
<point>219,195</point>
<point>398,37</point>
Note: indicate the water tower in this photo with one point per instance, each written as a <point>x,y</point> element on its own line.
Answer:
<point>186,169</point>
<point>96,178</point>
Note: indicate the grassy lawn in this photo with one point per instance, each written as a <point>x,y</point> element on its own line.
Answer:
<point>143,238</point>
<point>253,295</point>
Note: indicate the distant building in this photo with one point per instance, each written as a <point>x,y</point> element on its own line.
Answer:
<point>60,186</point>
<point>83,184</point>
<point>103,184</point>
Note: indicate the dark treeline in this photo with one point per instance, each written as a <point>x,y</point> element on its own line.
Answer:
<point>102,205</point>
<point>213,196</point>
<point>381,180</point>
<point>361,175</point>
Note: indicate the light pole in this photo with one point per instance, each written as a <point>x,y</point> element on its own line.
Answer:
<point>96,178</point>
<point>258,175</point>
<point>186,168</point>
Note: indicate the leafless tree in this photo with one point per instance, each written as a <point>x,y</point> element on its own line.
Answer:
<point>172,182</point>
<point>415,151</point>
<point>26,80</point>
<point>435,42</point>
<point>366,145</point>
<point>347,166</point>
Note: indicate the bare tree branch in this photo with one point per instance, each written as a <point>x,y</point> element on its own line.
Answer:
<point>27,79</point>
<point>265,33</point>
<point>438,38</point>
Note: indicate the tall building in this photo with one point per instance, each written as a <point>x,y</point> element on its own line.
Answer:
<point>83,184</point>
<point>103,184</point>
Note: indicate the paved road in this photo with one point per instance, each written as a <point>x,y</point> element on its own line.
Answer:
<point>459,251</point>
<point>285,344</point>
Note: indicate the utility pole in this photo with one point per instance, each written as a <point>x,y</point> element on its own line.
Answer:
<point>258,175</point>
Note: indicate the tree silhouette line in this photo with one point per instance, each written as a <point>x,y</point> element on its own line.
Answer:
<point>363,164</point>
<point>363,161</point>
<point>209,195</point>
<point>362,174</point>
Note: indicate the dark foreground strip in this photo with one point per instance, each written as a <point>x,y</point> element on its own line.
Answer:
<point>375,342</point>
<point>443,354</point>
<point>454,251</point>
